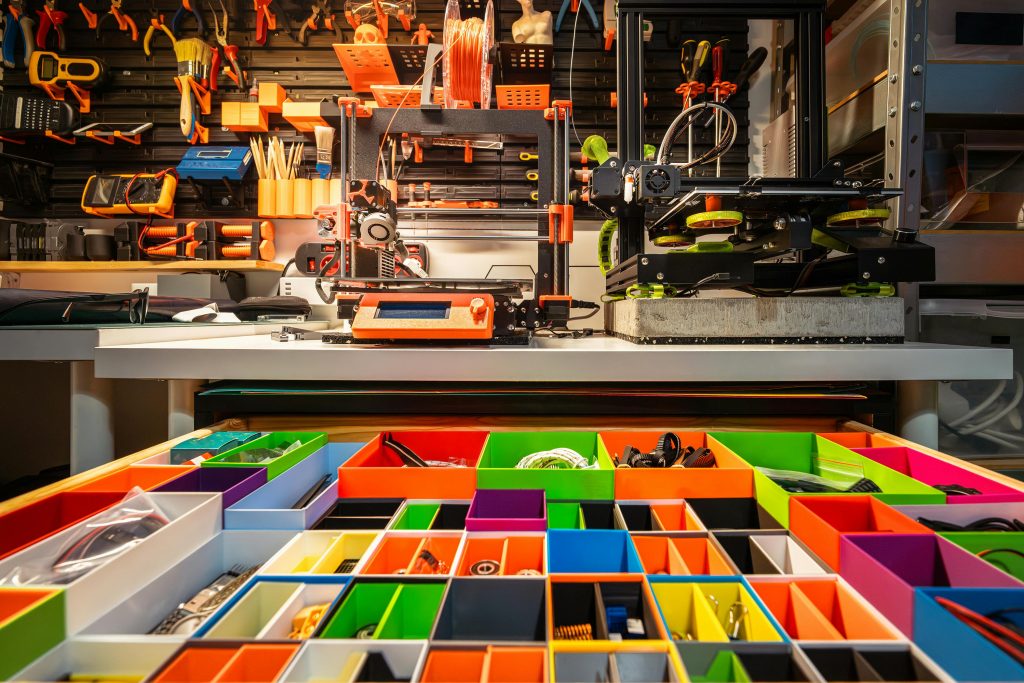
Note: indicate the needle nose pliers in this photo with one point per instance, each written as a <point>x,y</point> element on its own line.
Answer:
<point>51,17</point>
<point>221,29</point>
<point>179,16</point>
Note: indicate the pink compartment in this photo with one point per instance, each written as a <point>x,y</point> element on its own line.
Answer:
<point>930,470</point>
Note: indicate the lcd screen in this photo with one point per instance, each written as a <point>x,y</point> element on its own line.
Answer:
<point>413,310</point>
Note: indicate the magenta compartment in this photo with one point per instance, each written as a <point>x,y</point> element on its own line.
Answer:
<point>233,483</point>
<point>886,568</point>
<point>934,471</point>
<point>507,510</point>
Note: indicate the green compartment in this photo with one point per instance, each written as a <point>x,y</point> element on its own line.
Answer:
<point>365,604</point>
<point>800,451</point>
<point>503,450</point>
<point>31,622</point>
<point>980,541</point>
<point>565,516</point>
<point>311,443</point>
<point>412,613</point>
<point>417,517</point>
<point>726,667</point>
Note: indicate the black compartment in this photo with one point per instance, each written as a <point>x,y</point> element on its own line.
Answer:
<point>771,667</point>
<point>642,667</point>
<point>582,667</point>
<point>375,668</point>
<point>360,513</point>
<point>737,546</point>
<point>493,609</point>
<point>731,513</point>
<point>598,515</point>
<point>638,517</point>
<point>575,604</point>
<point>631,596</point>
<point>451,516</point>
<point>849,664</point>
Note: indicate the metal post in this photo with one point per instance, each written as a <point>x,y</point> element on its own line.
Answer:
<point>630,117</point>
<point>563,249</point>
<point>556,197</point>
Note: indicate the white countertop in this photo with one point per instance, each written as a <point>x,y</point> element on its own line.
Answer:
<point>597,359</point>
<point>79,342</point>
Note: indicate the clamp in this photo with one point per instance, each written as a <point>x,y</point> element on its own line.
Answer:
<point>17,29</point>
<point>51,17</point>
<point>124,21</point>
<point>320,9</point>
<point>221,28</point>
<point>156,23</point>
<point>575,8</point>
<point>179,16</point>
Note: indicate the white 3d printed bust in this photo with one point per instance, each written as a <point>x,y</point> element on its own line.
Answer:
<point>533,27</point>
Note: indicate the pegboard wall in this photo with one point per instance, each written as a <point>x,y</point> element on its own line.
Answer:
<point>143,89</point>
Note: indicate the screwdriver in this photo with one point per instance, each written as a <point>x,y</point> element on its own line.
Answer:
<point>717,69</point>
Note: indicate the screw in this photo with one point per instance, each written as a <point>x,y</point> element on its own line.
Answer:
<point>917,70</point>
<point>881,260</point>
<point>892,112</point>
<point>857,184</point>
<point>893,78</point>
<point>915,106</point>
<point>511,327</point>
<point>660,276</point>
<point>645,261</point>
<point>614,210</point>
<point>780,223</point>
<point>837,164</point>
<point>866,275</point>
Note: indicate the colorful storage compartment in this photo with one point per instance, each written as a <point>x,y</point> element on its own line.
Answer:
<point>503,450</point>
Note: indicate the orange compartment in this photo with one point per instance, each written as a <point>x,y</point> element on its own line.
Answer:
<point>523,552</point>
<point>397,554</point>
<point>680,555</point>
<point>196,664</point>
<point>821,521</point>
<point>730,478</point>
<point>861,439</point>
<point>523,96</point>
<point>402,96</point>
<point>257,663</point>
<point>478,549</point>
<point>376,471</point>
<point>821,610</point>
<point>454,666</point>
<point>124,480</point>
<point>516,665</point>
<point>675,517</point>
<point>366,64</point>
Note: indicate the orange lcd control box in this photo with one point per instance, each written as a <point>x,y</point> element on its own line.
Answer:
<point>424,316</point>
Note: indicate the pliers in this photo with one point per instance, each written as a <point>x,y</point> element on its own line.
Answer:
<point>124,21</point>
<point>179,16</point>
<point>320,9</point>
<point>221,29</point>
<point>50,17</point>
<point>156,23</point>
<point>575,8</point>
<point>18,28</point>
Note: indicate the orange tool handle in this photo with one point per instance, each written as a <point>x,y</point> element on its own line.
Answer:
<point>717,62</point>
<point>90,17</point>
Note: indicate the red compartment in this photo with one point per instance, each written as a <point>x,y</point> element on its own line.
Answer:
<point>40,519</point>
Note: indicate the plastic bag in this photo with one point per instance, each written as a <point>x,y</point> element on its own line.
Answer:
<point>261,456</point>
<point>96,542</point>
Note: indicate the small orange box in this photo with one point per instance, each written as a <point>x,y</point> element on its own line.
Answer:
<point>821,609</point>
<point>304,116</point>
<point>272,97</point>
<point>730,478</point>
<point>244,117</point>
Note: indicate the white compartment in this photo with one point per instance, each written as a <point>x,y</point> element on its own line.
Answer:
<point>321,552</point>
<point>337,660</point>
<point>142,611</point>
<point>280,625</point>
<point>124,658</point>
<point>244,617</point>
<point>193,519</point>
<point>784,554</point>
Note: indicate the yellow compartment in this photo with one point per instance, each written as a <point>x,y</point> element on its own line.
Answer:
<point>686,610</point>
<point>756,626</point>
<point>345,546</point>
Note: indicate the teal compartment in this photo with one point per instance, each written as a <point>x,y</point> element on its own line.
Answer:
<point>812,454</point>
<point>496,468</point>
<point>311,442</point>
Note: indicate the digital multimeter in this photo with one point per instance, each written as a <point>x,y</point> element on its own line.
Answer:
<point>394,315</point>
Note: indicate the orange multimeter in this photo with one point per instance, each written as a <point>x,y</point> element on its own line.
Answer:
<point>394,315</point>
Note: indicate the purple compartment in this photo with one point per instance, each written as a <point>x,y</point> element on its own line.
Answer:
<point>508,510</point>
<point>233,483</point>
<point>886,568</point>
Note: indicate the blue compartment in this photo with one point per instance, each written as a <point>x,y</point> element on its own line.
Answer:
<point>958,648</point>
<point>270,507</point>
<point>601,551</point>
